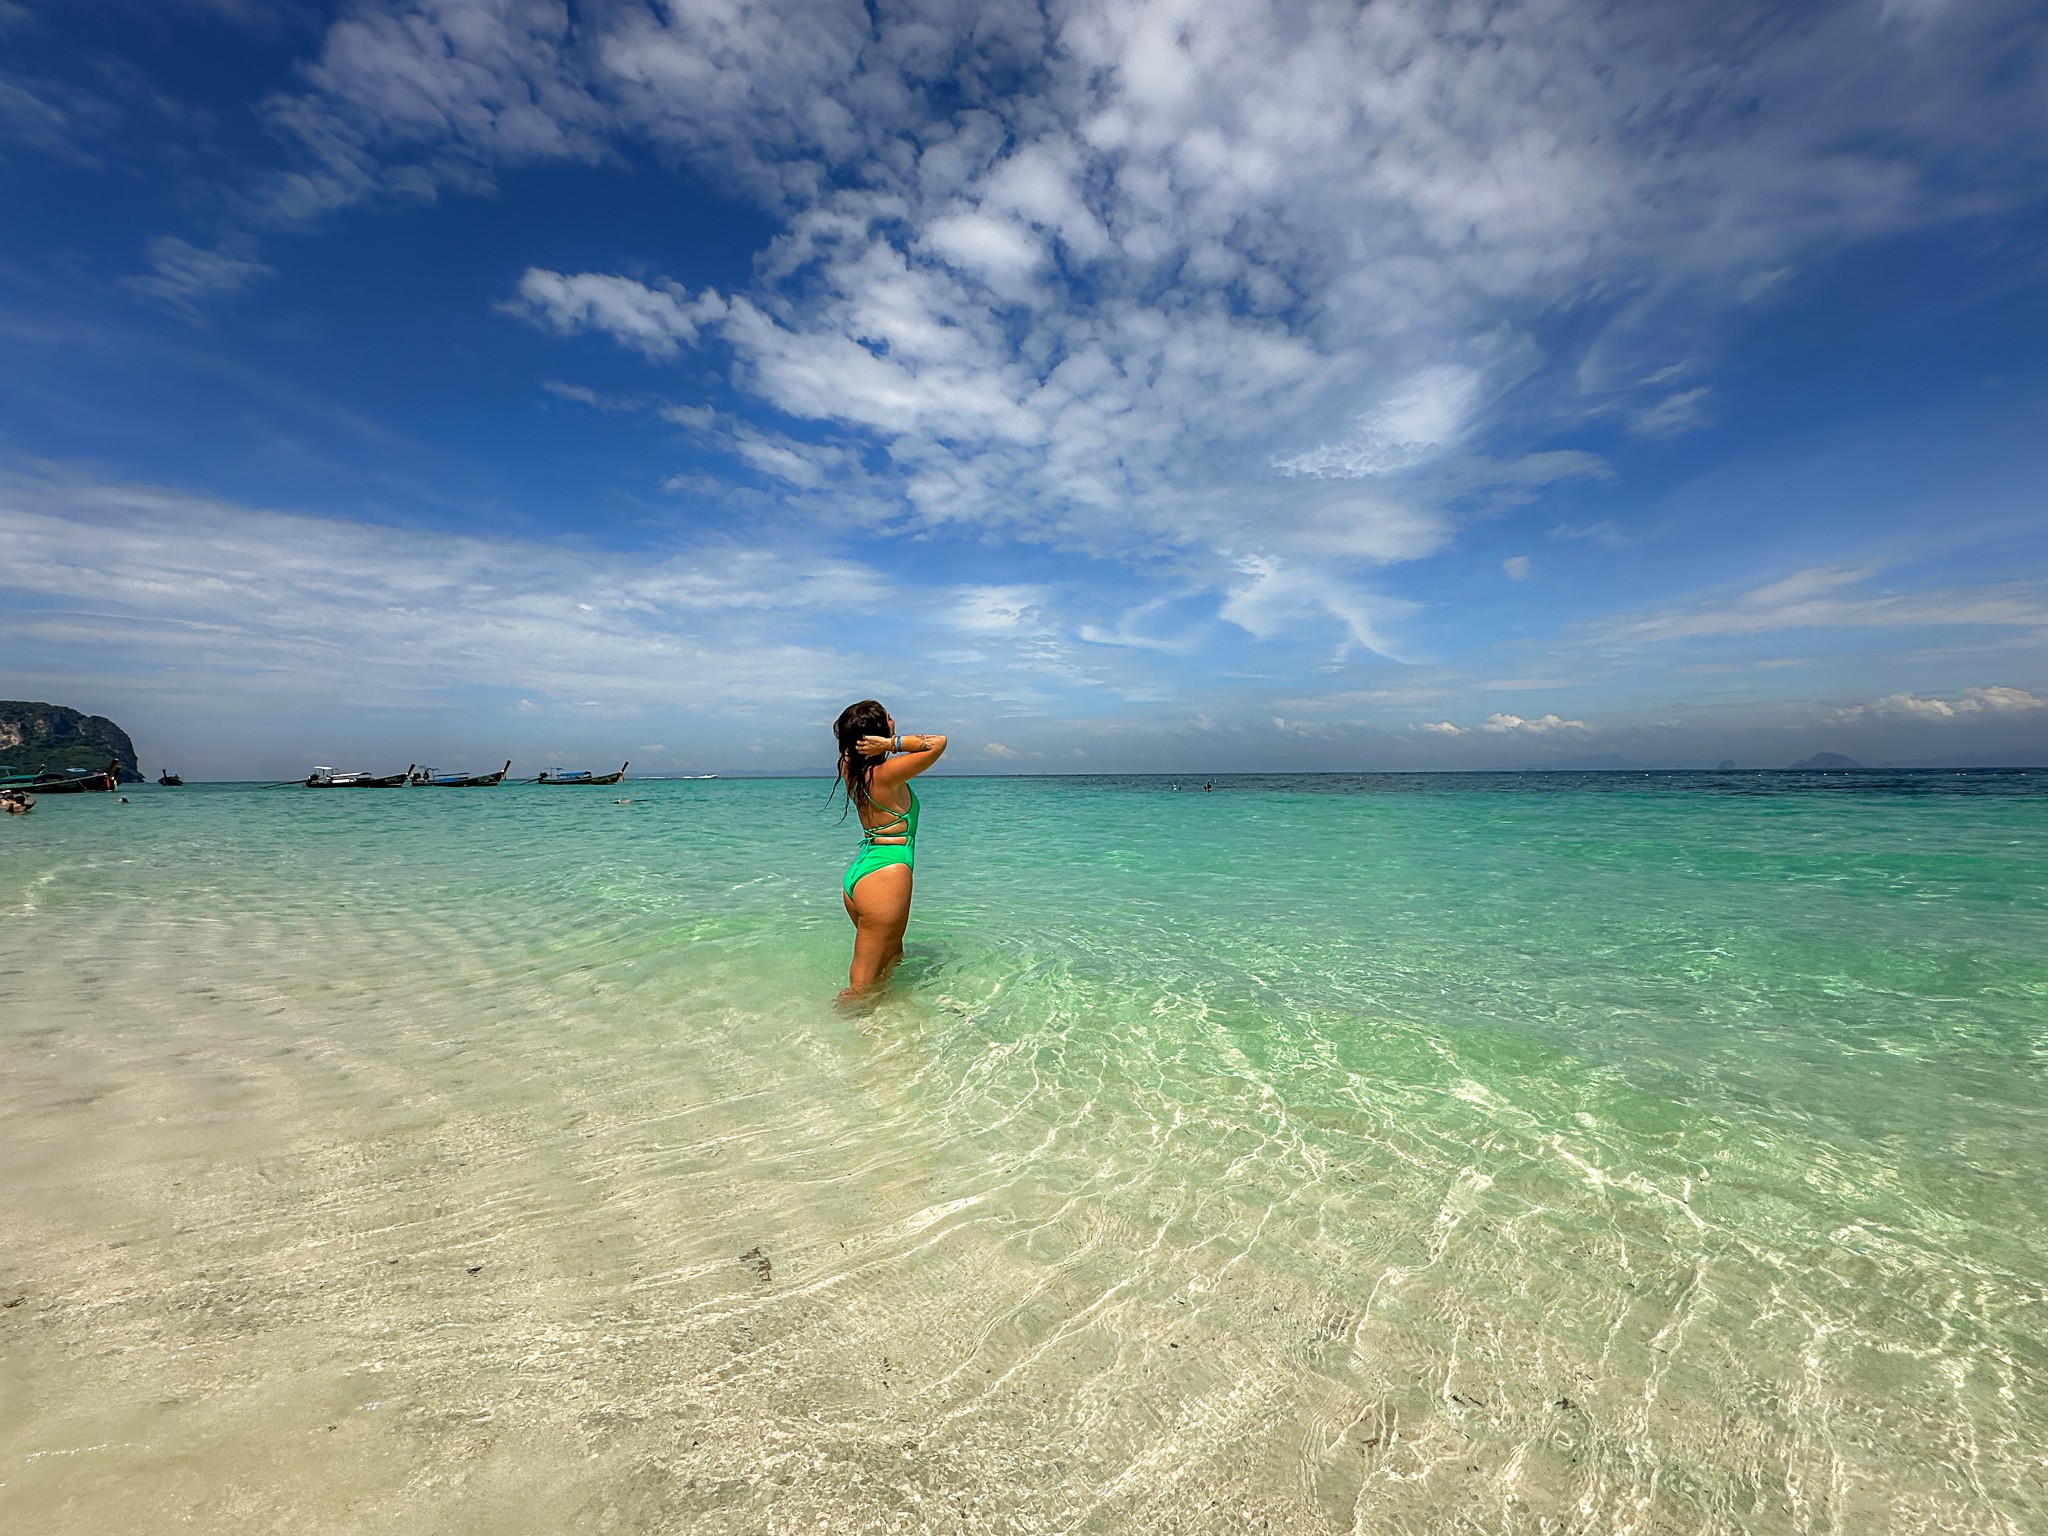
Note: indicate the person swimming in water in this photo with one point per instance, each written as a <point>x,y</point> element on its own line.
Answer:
<point>876,765</point>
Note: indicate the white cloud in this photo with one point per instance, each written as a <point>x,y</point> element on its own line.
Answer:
<point>406,99</point>
<point>999,252</point>
<point>652,320</point>
<point>1441,728</point>
<point>1208,267</point>
<point>1973,704</point>
<point>1542,725</point>
<point>1371,530</point>
<point>1423,415</point>
<point>996,610</point>
<point>1517,567</point>
<point>998,750</point>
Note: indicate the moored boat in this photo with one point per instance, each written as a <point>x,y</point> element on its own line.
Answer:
<point>14,778</point>
<point>76,781</point>
<point>170,780</point>
<point>326,778</point>
<point>433,780</point>
<point>580,776</point>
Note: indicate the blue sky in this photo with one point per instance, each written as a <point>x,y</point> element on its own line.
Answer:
<point>1126,386</point>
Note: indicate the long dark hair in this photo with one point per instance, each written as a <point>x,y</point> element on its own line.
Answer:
<point>856,768</point>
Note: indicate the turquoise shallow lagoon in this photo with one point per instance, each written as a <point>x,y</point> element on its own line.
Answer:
<point>1437,1154</point>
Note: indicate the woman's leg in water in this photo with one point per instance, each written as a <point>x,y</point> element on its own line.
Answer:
<point>880,909</point>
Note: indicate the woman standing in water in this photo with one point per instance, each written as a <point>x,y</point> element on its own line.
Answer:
<point>876,765</point>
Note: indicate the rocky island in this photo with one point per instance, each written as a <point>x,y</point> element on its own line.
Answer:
<point>51,736</point>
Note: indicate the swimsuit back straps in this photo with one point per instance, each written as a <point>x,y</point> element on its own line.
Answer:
<point>900,824</point>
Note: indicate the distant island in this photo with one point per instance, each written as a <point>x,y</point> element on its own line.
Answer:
<point>1828,762</point>
<point>36,736</point>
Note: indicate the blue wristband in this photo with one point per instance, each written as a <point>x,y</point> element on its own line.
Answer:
<point>899,743</point>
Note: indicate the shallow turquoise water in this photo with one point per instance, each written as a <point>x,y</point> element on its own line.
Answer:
<point>1433,1153</point>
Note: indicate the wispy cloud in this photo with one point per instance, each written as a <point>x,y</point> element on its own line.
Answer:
<point>1274,594</point>
<point>355,612</point>
<point>1829,597</point>
<point>183,274</point>
<point>54,117</point>
<point>1602,532</point>
<point>1129,630</point>
<point>1675,413</point>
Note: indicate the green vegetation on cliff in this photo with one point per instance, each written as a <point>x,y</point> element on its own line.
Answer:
<point>50,736</point>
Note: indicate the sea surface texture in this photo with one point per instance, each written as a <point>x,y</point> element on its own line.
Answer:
<point>1518,1154</point>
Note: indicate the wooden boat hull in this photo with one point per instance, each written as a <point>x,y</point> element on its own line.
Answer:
<point>383,781</point>
<point>468,780</point>
<point>602,778</point>
<point>84,784</point>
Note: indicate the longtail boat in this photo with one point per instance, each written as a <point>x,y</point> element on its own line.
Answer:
<point>580,776</point>
<point>434,780</point>
<point>14,778</point>
<point>74,782</point>
<point>170,780</point>
<point>327,778</point>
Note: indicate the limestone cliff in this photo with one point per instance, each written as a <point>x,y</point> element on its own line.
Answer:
<point>36,736</point>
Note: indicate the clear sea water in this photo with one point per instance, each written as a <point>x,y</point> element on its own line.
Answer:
<point>1397,1154</point>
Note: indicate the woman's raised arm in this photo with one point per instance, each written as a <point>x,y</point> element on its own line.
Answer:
<point>918,753</point>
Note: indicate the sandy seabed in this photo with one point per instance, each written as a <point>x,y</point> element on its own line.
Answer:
<point>318,1222</point>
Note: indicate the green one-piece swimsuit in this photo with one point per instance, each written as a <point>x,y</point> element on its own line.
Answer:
<point>874,855</point>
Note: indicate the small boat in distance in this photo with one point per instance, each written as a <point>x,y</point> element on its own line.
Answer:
<point>169,780</point>
<point>580,776</point>
<point>327,778</point>
<point>434,780</point>
<point>14,778</point>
